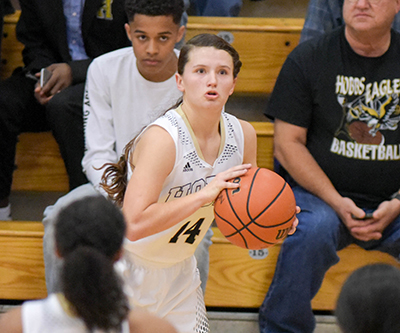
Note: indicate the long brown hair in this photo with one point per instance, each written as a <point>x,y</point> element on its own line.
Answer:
<point>115,177</point>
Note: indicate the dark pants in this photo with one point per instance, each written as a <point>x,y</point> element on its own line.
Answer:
<point>20,112</point>
<point>304,259</point>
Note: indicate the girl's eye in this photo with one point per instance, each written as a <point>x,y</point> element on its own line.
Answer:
<point>201,70</point>
<point>223,72</point>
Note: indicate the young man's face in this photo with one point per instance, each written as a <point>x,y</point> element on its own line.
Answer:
<point>153,40</point>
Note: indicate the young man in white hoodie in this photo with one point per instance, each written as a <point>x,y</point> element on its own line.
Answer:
<point>125,91</point>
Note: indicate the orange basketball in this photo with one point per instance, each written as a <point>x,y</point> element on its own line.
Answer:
<point>259,213</point>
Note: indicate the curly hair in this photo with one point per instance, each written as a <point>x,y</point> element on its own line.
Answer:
<point>174,8</point>
<point>115,177</point>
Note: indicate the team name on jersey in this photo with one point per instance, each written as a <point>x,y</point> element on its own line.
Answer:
<point>186,189</point>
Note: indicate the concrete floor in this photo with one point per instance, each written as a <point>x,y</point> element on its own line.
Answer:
<point>231,322</point>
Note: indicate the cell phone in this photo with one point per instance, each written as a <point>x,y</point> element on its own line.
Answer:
<point>45,75</point>
<point>366,217</point>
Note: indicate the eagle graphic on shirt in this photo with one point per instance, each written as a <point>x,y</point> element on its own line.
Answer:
<point>374,110</point>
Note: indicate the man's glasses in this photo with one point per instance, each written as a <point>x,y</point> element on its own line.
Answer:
<point>372,2</point>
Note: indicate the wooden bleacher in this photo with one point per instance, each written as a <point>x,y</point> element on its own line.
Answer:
<point>236,280</point>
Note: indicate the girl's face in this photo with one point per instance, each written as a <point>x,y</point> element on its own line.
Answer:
<point>207,79</point>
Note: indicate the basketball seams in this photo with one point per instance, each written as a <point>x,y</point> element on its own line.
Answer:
<point>266,208</point>
<point>249,195</point>
<point>245,227</point>
<point>254,220</point>
<point>227,236</point>
<point>233,208</point>
<point>260,188</point>
<point>252,233</point>
<point>234,212</point>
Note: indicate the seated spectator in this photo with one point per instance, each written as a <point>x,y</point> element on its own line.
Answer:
<point>124,92</point>
<point>326,15</point>
<point>335,106</point>
<point>370,300</point>
<point>64,38</point>
<point>89,237</point>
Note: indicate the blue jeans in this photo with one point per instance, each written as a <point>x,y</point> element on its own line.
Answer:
<point>304,259</point>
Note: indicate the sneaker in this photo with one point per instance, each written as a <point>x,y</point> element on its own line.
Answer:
<point>5,213</point>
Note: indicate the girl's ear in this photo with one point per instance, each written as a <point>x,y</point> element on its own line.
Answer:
<point>179,82</point>
<point>233,86</point>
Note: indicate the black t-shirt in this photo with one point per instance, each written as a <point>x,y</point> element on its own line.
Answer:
<point>350,106</point>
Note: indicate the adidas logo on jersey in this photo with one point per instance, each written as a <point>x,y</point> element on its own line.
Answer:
<point>187,167</point>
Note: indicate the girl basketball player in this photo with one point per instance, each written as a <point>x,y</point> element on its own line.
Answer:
<point>89,236</point>
<point>174,170</point>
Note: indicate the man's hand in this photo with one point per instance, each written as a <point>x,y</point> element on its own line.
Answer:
<point>370,228</point>
<point>61,78</point>
<point>373,228</point>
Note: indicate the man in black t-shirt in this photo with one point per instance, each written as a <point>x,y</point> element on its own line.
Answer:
<point>337,112</point>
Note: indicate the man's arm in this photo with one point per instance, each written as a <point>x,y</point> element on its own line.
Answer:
<point>44,47</point>
<point>98,126</point>
<point>291,151</point>
<point>31,32</point>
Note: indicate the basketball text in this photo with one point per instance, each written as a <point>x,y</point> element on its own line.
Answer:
<point>282,233</point>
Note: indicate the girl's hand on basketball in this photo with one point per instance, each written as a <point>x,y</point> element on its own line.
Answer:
<point>222,181</point>
<point>295,222</point>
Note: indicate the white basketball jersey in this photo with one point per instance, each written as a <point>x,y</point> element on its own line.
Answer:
<point>190,174</point>
<point>48,316</point>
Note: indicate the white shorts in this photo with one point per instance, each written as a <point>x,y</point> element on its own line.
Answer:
<point>171,292</point>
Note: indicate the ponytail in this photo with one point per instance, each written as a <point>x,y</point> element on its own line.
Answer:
<point>115,177</point>
<point>92,287</point>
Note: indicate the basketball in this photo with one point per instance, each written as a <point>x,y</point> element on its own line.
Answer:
<point>359,131</point>
<point>259,213</point>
